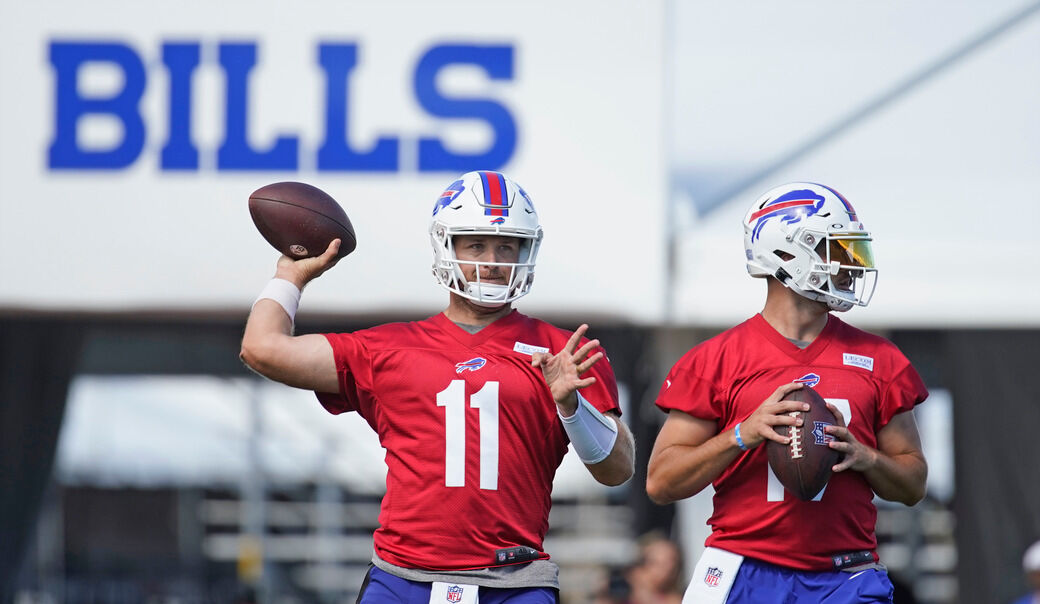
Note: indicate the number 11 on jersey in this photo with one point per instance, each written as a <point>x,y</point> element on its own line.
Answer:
<point>485,400</point>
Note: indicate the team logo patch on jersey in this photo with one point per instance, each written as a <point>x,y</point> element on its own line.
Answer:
<point>454,190</point>
<point>790,208</point>
<point>712,577</point>
<point>528,348</point>
<point>471,365</point>
<point>454,594</point>
<point>809,379</point>
<point>858,360</point>
<point>820,437</point>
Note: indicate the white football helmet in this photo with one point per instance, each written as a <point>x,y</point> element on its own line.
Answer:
<point>487,203</point>
<point>808,236</point>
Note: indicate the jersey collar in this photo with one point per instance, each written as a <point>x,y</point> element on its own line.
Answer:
<point>801,355</point>
<point>472,340</point>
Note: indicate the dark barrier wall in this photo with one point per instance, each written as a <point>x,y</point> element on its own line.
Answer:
<point>36,364</point>
<point>995,381</point>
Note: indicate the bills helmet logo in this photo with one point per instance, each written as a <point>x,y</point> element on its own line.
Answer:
<point>789,208</point>
<point>820,437</point>
<point>712,577</point>
<point>471,365</point>
<point>809,379</point>
<point>454,190</point>
<point>528,204</point>
<point>454,594</point>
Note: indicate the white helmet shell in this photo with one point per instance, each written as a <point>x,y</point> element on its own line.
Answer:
<point>486,203</point>
<point>809,238</point>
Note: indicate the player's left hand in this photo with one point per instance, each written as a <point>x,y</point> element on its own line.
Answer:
<point>562,371</point>
<point>857,456</point>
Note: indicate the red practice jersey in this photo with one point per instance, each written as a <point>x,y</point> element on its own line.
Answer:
<point>470,429</point>
<point>727,377</point>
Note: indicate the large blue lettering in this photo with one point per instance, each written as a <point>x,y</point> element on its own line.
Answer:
<point>338,60</point>
<point>235,153</point>
<point>65,151</point>
<point>497,63</point>
<point>179,153</point>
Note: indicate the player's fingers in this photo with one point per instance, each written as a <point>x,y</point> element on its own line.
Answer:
<point>572,343</point>
<point>784,407</point>
<point>786,419</point>
<point>536,359</point>
<point>773,435</point>
<point>839,432</point>
<point>589,362</point>
<point>837,414</point>
<point>331,251</point>
<point>582,352</point>
<point>585,383</point>
<point>783,390</point>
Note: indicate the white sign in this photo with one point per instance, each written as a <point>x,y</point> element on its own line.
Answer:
<point>134,133</point>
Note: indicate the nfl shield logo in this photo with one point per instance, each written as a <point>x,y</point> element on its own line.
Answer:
<point>711,578</point>
<point>454,593</point>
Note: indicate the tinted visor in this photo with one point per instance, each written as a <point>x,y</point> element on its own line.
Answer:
<point>851,252</point>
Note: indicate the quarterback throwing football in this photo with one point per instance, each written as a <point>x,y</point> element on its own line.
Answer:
<point>724,400</point>
<point>475,406</point>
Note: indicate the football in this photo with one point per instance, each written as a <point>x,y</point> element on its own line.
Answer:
<point>300,220</point>
<point>804,465</point>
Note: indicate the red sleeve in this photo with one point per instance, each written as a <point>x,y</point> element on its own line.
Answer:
<point>353,371</point>
<point>905,391</point>
<point>604,393</point>
<point>687,390</point>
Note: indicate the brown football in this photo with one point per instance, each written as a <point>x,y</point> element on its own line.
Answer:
<point>804,466</point>
<point>300,220</point>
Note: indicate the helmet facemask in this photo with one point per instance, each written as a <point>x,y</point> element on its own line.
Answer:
<point>448,269</point>
<point>842,271</point>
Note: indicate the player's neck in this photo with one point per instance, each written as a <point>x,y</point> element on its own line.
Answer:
<point>793,316</point>
<point>471,316</point>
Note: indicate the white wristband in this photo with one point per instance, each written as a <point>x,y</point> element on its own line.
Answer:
<point>592,433</point>
<point>284,293</point>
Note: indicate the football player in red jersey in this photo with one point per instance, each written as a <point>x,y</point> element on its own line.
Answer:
<point>724,400</point>
<point>475,406</point>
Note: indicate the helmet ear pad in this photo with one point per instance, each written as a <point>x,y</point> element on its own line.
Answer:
<point>485,203</point>
<point>789,234</point>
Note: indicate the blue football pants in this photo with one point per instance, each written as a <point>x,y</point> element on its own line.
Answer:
<point>381,587</point>
<point>762,583</point>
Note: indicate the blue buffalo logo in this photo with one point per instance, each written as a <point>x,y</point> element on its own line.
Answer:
<point>454,190</point>
<point>471,365</point>
<point>528,204</point>
<point>791,207</point>
<point>809,379</point>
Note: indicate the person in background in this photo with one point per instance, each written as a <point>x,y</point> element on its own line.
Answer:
<point>656,578</point>
<point>1031,568</point>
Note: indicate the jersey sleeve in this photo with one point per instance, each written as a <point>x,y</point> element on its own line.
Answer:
<point>902,393</point>
<point>604,393</point>
<point>687,389</point>
<point>353,371</point>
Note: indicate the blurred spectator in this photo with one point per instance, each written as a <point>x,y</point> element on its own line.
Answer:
<point>656,578</point>
<point>1031,567</point>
